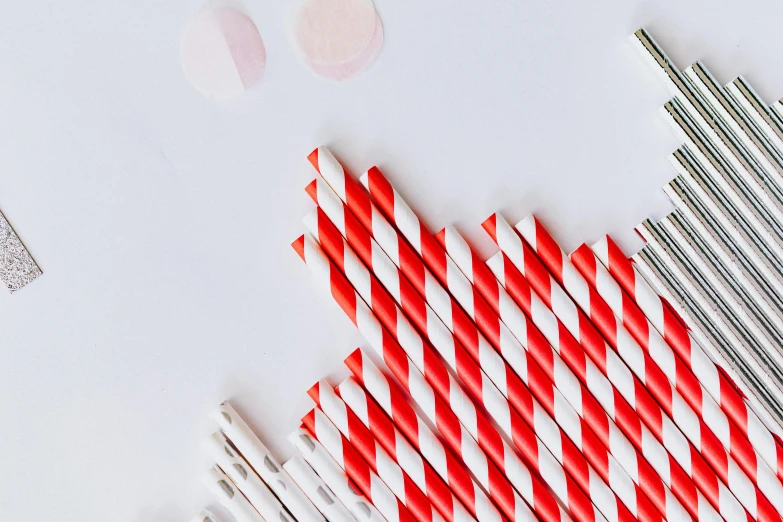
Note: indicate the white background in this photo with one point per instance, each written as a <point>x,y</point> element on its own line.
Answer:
<point>162,220</point>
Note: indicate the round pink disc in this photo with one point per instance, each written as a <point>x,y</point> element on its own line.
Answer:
<point>222,53</point>
<point>338,38</point>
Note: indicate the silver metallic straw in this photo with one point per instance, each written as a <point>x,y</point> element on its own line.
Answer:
<point>730,279</point>
<point>742,127</point>
<point>768,256</point>
<point>725,153</point>
<point>735,190</point>
<point>745,97</point>
<point>712,332</point>
<point>721,241</point>
<point>755,346</point>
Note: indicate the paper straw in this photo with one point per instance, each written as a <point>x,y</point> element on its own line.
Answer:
<point>378,460</point>
<point>334,476</point>
<point>752,489</point>
<point>712,142</point>
<point>459,439</point>
<point>699,359</point>
<point>427,321</point>
<point>616,389</point>
<point>317,491</point>
<point>265,464</point>
<point>743,132</point>
<point>763,351</point>
<point>420,437</point>
<point>743,95</point>
<point>695,300</point>
<point>369,483</point>
<point>205,515</point>
<point>677,371</point>
<point>245,478</point>
<point>555,440</point>
<point>554,372</point>
<point>230,497</point>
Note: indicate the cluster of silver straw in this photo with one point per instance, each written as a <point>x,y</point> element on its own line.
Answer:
<point>718,258</point>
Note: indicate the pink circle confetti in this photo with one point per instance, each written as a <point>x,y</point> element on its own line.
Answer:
<point>338,38</point>
<point>222,53</point>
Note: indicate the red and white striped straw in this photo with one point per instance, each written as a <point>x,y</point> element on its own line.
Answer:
<point>675,369</point>
<point>536,456</point>
<point>439,459</point>
<point>369,483</point>
<point>535,443</point>
<point>402,484</point>
<point>628,351</point>
<point>625,409</point>
<point>547,373</point>
<point>334,476</point>
<point>669,325</point>
<point>437,409</point>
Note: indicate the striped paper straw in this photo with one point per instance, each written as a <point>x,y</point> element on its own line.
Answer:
<point>334,476</point>
<point>480,383</point>
<point>509,383</point>
<point>439,459</point>
<point>245,478</point>
<point>553,372</point>
<point>441,411</point>
<point>316,490</point>
<point>537,456</point>
<point>677,371</point>
<point>714,379</point>
<point>379,461</point>
<point>265,464</point>
<point>343,452</point>
<point>752,489</point>
<point>229,496</point>
<point>607,387</point>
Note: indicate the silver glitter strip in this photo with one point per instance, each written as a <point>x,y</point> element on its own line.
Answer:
<point>17,267</point>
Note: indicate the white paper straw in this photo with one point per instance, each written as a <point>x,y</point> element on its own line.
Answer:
<point>265,464</point>
<point>230,497</point>
<point>317,490</point>
<point>205,515</point>
<point>334,476</point>
<point>245,478</point>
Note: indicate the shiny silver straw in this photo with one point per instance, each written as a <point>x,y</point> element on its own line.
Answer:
<point>711,331</point>
<point>745,97</point>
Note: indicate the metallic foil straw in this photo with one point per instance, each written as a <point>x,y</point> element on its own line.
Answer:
<point>759,347</point>
<point>751,104</point>
<point>729,276</point>
<point>742,128</point>
<point>720,147</point>
<point>710,329</point>
<point>718,211</point>
<point>721,243</point>
<point>764,223</point>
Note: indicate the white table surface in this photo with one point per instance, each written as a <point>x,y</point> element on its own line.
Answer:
<point>162,219</point>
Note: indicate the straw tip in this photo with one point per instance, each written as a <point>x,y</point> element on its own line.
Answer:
<point>441,236</point>
<point>309,419</point>
<point>315,392</point>
<point>312,190</point>
<point>354,362</point>
<point>298,245</point>
<point>490,225</point>
<point>313,158</point>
